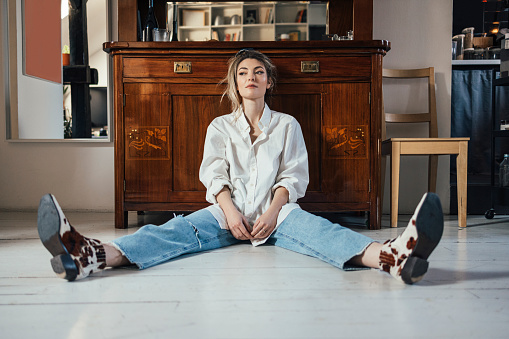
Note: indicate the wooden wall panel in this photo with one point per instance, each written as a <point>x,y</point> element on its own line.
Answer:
<point>340,24</point>
<point>127,19</point>
<point>363,19</point>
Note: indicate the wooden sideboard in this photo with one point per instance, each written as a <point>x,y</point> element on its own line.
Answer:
<point>166,93</point>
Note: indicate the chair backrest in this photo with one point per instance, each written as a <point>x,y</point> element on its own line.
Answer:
<point>430,116</point>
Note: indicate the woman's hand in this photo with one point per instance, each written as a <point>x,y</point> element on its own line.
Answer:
<point>236,222</point>
<point>238,225</point>
<point>265,224</point>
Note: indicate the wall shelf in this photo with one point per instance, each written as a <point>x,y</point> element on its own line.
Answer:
<point>259,21</point>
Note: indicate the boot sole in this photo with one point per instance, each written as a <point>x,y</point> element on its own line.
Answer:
<point>48,226</point>
<point>430,227</point>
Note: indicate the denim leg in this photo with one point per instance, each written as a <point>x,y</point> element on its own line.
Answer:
<point>315,236</point>
<point>152,245</point>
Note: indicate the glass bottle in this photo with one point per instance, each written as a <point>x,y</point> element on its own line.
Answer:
<point>174,35</point>
<point>172,23</point>
<point>150,23</point>
<point>504,172</point>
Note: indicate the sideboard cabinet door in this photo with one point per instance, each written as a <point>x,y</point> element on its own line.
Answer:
<point>165,128</point>
<point>148,140</point>
<point>346,143</point>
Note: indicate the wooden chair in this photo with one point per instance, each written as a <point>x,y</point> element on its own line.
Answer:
<point>432,146</point>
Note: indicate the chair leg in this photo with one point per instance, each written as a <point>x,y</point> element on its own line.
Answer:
<point>461,169</point>
<point>395,163</point>
<point>432,173</point>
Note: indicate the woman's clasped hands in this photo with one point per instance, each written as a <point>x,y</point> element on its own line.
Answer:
<point>242,230</point>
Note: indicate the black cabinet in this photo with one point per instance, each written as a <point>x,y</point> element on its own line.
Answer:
<point>498,193</point>
<point>471,116</point>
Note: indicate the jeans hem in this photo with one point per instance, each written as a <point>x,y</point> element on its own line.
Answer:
<point>341,265</point>
<point>117,246</point>
<point>347,267</point>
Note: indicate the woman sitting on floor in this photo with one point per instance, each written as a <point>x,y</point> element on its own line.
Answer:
<point>254,167</point>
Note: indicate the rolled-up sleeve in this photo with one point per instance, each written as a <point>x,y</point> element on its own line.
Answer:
<point>214,166</point>
<point>293,172</point>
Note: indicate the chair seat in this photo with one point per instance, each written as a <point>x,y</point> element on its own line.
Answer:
<point>422,146</point>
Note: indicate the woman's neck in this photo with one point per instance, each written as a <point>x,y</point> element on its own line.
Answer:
<point>253,109</point>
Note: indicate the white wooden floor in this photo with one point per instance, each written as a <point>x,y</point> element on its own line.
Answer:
<point>264,292</point>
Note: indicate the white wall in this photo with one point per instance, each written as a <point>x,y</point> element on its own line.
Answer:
<point>420,36</point>
<point>81,175</point>
<point>98,59</point>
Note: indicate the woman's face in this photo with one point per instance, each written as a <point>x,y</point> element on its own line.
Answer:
<point>252,82</point>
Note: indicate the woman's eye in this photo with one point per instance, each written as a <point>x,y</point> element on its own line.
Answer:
<point>242,73</point>
<point>259,72</point>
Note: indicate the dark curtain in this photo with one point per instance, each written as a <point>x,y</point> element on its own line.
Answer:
<point>471,116</point>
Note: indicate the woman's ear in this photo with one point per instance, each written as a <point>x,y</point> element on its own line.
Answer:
<point>269,84</point>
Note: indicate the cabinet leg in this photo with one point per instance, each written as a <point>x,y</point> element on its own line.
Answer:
<point>120,219</point>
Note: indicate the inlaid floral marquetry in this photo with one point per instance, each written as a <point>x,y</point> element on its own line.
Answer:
<point>346,141</point>
<point>148,143</point>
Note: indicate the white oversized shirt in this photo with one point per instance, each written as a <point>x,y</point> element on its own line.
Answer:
<point>253,171</point>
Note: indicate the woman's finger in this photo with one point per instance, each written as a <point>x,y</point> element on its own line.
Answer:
<point>248,227</point>
<point>244,232</point>
<point>256,227</point>
<point>240,232</point>
<point>235,232</point>
<point>261,229</point>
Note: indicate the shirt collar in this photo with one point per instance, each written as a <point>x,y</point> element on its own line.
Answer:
<point>242,121</point>
<point>265,120</point>
<point>263,123</point>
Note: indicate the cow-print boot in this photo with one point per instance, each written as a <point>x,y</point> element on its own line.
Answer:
<point>74,256</point>
<point>405,257</point>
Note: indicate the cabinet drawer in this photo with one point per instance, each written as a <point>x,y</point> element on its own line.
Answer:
<point>165,68</point>
<point>341,67</point>
<point>328,67</point>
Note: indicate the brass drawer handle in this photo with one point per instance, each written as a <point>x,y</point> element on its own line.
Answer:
<point>182,67</point>
<point>310,66</point>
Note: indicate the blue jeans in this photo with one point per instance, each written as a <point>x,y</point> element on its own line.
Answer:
<point>300,232</point>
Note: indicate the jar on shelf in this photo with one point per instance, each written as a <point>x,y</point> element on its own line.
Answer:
<point>469,37</point>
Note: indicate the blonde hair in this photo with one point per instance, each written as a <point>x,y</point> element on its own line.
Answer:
<point>231,78</point>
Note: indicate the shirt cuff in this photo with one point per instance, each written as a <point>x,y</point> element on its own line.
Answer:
<point>215,188</point>
<point>292,193</point>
